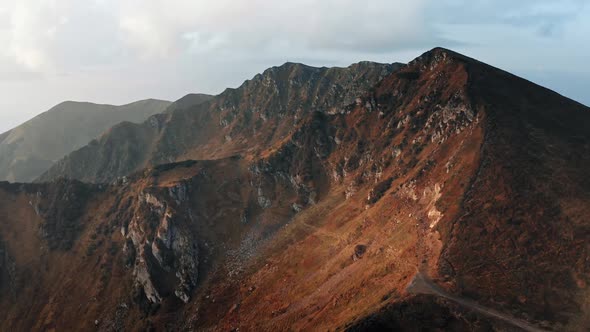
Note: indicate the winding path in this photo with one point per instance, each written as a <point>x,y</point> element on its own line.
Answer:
<point>421,284</point>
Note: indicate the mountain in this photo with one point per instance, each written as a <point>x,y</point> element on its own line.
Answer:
<point>449,195</point>
<point>31,148</point>
<point>262,110</point>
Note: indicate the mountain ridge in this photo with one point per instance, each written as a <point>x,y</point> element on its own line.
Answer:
<point>30,148</point>
<point>183,133</point>
<point>445,166</point>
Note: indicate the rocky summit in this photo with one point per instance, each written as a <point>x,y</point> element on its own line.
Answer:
<point>444,194</point>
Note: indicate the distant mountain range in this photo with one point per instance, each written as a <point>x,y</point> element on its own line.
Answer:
<point>439,195</point>
<point>31,148</point>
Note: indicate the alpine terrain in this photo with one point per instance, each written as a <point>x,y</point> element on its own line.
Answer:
<point>440,195</point>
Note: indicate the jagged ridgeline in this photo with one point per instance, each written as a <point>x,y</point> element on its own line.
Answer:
<point>309,199</point>
<point>252,117</point>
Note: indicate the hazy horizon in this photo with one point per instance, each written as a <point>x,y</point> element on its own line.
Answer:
<point>117,52</point>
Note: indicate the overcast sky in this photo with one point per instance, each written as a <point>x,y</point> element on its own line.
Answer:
<point>118,51</point>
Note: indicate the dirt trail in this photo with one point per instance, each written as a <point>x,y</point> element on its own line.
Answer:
<point>421,284</point>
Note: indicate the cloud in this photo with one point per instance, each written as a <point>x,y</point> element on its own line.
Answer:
<point>51,35</point>
<point>31,28</point>
<point>257,25</point>
<point>66,35</point>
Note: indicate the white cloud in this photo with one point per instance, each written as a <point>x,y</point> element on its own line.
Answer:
<point>66,35</point>
<point>163,28</point>
<point>32,28</point>
<point>378,25</point>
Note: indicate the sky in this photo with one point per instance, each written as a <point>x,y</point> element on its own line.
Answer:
<point>119,51</point>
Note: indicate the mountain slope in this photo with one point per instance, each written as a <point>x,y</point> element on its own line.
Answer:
<point>446,168</point>
<point>252,116</point>
<point>465,172</point>
<point>31,148</point>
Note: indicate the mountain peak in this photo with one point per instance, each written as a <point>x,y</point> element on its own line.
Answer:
<point>364,64</point>
<point>189,100</point>
<point>290,64</point>
<point>68,104</point>
<point>79,105</point>
<point>286,68</point>
<point>295,68</point>
<point>438,55</point>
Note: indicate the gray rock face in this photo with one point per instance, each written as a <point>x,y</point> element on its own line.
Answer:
<point>163,244</point>
<point>263,201</point>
